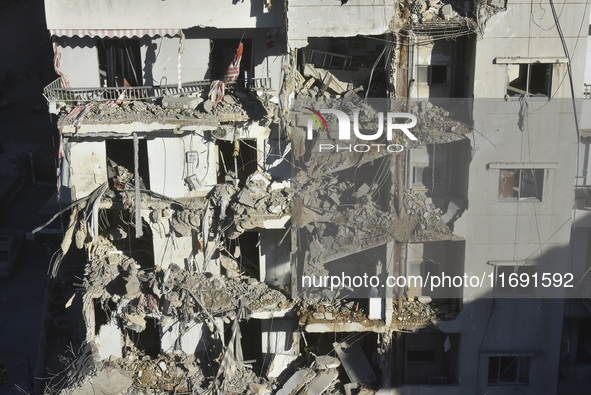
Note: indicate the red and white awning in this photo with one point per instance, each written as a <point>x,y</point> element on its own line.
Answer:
<point>114,33</point>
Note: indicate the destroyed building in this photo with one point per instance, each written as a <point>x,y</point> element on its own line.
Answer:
<point>180,167</point>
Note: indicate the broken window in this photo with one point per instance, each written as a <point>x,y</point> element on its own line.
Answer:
<point>521,184</point>
<point>432,74</point>
<point>529,79</point>
<point>148,340</point>
<point>120,163</point>
<point>238,156</point>
<point>246,252</point>
<point>508,370</point>
<point>120,62</point>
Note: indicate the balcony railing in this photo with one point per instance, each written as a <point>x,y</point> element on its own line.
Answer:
<point>583,197</point>
<point>55,92</point>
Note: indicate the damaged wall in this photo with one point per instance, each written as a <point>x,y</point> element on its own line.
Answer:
<point>88,167</point>
<point>317,18</point>
<point>170,166</point>
<point>536,41</point>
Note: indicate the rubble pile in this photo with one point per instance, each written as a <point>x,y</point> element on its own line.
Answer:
<point>341,311</point>
<point>426,11</point>
<point>220,296</point>
<point>421,312</point>
<point>246,208</point>
<point>428,217</point>
<point>414,315</point>
<point>239,107</point>
<point>165,373</point>
<point>435,125</point>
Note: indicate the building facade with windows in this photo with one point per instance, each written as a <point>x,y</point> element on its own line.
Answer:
<point>201,205</point>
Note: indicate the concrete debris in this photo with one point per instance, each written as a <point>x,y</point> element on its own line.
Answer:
<point>438,13</point>
<point>420,312</point>
<point>339,311</point>
<point>327,362</point>
<point>242,107</point>
<point>326,79</point>
<point>355,363</point>
<point>296,382</point>
<point>319,384</point>
<point>109,379</point>
<point>426,217</point>
<point>436,125</point>
<point>175,102</point>
<point>246,208</point>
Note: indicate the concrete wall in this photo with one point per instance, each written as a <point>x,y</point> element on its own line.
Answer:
<point>519,230</point>
<point>168,166</point>
<point>159,14</point>
<point>321,18</point>
<point>88,167</point>
<point>510,326</point>
<point>503,37</point>
<point>79,61</point>
<point>193,337</point>
<point>160,60</point>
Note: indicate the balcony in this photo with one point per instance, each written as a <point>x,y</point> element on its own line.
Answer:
<point>55,92</point>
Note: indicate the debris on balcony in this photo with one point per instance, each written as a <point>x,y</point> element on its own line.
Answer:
<point>468,16</point>
<point>421,312</point>
<point>236,106</point>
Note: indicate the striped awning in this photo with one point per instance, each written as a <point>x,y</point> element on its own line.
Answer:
<point>114,33</point>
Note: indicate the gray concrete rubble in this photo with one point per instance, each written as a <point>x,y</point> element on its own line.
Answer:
<point>429,13</point>
<point>193,108</point>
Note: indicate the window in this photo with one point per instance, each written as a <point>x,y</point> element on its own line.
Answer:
<point>508,370</point>
<point>521,184</point>
<point>120,62</point>
<point>531,79</point>
<point>429,176</point>
<point>515,280</point>
<point>433,74</point>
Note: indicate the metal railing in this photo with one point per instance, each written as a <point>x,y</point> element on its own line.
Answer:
<point>583,197</point>
<point>55,92</point>
<point>586,91</point>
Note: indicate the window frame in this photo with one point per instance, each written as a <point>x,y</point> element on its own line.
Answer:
<point>521,370</point>
<point>527,93</point>
<point>521,184</point>
<point>429,68</point>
